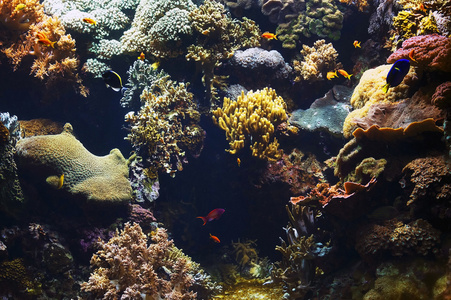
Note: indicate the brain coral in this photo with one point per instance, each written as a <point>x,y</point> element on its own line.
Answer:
<point>95,178</point>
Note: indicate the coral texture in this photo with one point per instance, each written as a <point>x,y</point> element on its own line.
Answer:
<point>253,117</point>
<point>282,11</point>
<point>316,61</point>
<point>127,268</point>
<point>86,175</point>
<point>166,127</point>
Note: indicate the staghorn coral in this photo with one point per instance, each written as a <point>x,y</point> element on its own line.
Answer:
<point>253,117</point>
<point>245,253</point>
<point>397,238</point>
<point>316,61</point>
<point>96,179</point>
<point>217,37</point>
<point>430,178</point>
<point>321,18</point>
<point>156,26</point>
<point>369,91</point>
<point>127,268</point>
<point>166,127</point>
<point>281,11</point>
<point>431,52</point>
<point>53,64</point>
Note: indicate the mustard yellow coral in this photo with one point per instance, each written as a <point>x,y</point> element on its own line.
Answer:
<point>253,117</point>
<point>369,91</point>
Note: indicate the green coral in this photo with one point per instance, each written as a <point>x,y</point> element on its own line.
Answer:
<point>15,278</point>
<point>367,169</point>
<point>322,18</point>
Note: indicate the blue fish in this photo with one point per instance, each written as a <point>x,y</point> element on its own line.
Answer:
<point>397,73</point>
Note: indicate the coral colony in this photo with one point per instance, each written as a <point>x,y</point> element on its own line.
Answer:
<point>321,128</point>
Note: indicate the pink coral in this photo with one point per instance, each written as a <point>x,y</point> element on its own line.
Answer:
<point>126,268</point>
<point>429,51</point>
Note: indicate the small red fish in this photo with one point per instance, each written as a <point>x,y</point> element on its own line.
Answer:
<point>215,214</point>
<point>411,55</point>
<point>42,39</point>
<point>215,238</point>
<point>142,56</point>
<point>356,44</point>
<point>269,36</point>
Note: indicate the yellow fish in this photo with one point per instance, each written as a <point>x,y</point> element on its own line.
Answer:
<point>345,74</point>
<point>20,7</point>
<point>331,75</point>
<point>356,44</point>
<point>269,36</point>
<point>60,182</point>
<point>238,161</point>
<point>155,65</point>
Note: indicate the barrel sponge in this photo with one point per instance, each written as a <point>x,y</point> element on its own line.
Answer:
<point>94,178</point>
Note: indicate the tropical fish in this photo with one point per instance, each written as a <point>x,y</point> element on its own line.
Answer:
<point>60,181</point>
<point>397,73</point>
<point>142,56</point>
<point>42,39</point>
<point>356,44</point>
<point>215,214</point>
<point>155,65</point>
<point>331,75</point>
<point>269,36</point>
<point>238,161</point>
<point>215,238</point>
<point>344,74</point>
<point>422,7</point>
<point>113,80</point>
<point>89,21</point>
<point>411,56</point>
<point>20,7</point>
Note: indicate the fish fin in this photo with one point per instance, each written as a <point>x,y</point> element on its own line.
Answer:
<point>115,89</point>
<point>386,87</point>
<point>203,219</point>
<point>275,36</point>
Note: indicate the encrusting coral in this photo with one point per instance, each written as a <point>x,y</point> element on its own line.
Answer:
<point>127,268</point>
<point>253,118</point>
<point>100,179</point>
<point>30,32</point>
<point>316,61</point>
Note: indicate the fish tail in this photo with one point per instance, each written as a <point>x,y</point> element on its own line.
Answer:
<point>203,219</point>
<point>349,76</point>
<point>52,44</point>
<point>275,36</point>
<point>385,88</point>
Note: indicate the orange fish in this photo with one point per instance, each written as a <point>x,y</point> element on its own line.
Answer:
<point>238,161</point>
<point>422,7</point>
<point>356,44</point>
<point>411,56</point>
<point>42,39</point>
<point>269,36</point>
<point>331,75</point>
<point>344,74</point>
<point>215,238</point>
<point>89,21</point>
<point>215,214</point>
<point>141,56</point>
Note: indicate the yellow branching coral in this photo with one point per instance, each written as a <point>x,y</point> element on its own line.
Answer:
<point>316,62</point>
<point>253,117</point>
<point>361,5</point>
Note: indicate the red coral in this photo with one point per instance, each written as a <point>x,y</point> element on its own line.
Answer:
<point>432,51</point>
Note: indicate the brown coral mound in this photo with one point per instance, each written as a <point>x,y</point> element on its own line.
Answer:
<point>442,95</point>
<point>397,238</point>
<point>429,51</point>
<point>92,177</point>
<point>40,127</point>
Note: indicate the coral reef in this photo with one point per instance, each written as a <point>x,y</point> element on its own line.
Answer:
<point>325,114</point>
<point>127,267</point>
<point>361,5</point>
<point>94,178</point>
<point>397,238</point>
<point>321,18</point>
<point>430,179</point>
<point>316,61</point>
<point>166,127</point>
<point>30,32</point>
<point>217,37</point>
<point>299,170</point>
<point>431,52</point>
<point>282,11</point>
<point>40,127</point>
<point>253,117</point>
<point>145,184</point>
<point>369,91</point>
